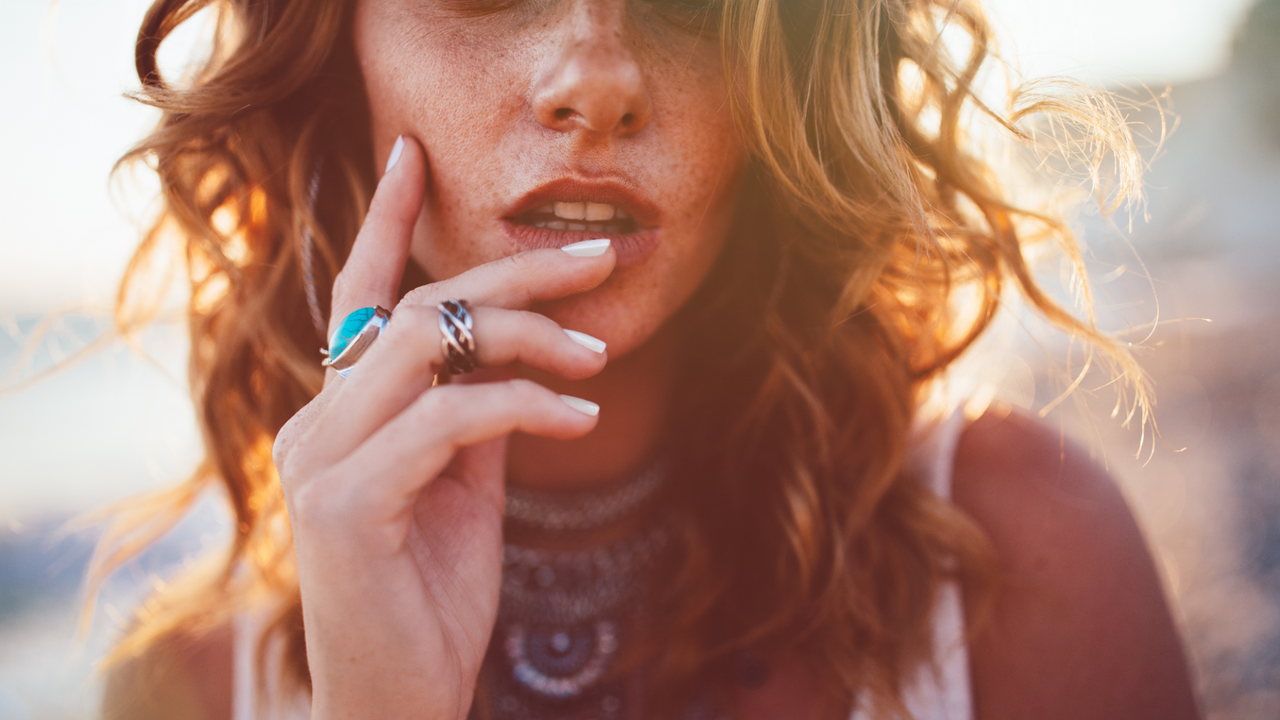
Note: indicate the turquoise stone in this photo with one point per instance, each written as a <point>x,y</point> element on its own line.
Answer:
<point>349,328</point>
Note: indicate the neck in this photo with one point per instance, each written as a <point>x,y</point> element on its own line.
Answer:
<point>634,393</point>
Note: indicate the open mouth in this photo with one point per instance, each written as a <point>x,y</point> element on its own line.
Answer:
<point>590,217</point>
<point>571,210</point>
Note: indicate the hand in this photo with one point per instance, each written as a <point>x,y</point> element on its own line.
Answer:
<point>395,487</point>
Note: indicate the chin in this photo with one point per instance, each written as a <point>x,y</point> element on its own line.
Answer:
<point>625,320</point>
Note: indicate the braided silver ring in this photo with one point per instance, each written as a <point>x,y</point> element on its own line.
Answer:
<point>457,342</point>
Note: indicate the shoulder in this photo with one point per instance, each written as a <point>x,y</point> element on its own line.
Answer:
<point>1080,627</point>
<point>177,677</point>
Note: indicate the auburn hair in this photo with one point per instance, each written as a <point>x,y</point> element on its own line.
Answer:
<point>870,213</point>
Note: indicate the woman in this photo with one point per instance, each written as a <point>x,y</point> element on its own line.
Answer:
<point>700,257</point>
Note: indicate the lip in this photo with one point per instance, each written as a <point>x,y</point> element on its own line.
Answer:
<point>631,248</point>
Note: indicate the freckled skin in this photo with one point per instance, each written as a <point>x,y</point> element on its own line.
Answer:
<point>480,89</point>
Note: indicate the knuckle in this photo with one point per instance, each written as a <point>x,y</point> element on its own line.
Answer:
<point>518,262</point>
<point>441,402</point>
<point>405,319</point>
<point>281,449</point>
<point>352,287</point>
<point>292,471</point>
<point>292,434</point>
<point>421,313</point>
<point>529,319</point>
<point>283,445</point>
<point>423,295</point>
<point>290,466</point>
<point>538,322</point>
<point>520,269</point>
<point>332,497</point>
<point>411,330</point>
<point>342,283</point>
<point>312,503</point>
<point>526,391</point>
<point>532,335</point>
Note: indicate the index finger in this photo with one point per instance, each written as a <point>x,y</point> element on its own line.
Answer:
<point>372,273</point>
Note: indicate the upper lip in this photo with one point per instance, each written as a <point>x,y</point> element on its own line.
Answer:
<point>572,189</point>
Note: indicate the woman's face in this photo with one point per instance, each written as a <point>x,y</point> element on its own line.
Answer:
<point>548,122</point>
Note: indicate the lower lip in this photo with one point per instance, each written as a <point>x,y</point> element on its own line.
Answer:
<point>632,248</point>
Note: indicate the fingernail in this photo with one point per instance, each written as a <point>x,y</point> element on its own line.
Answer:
<point>396,151</point>
<point>586,341</point>
<point>587,248</point>
<point>586,407</point>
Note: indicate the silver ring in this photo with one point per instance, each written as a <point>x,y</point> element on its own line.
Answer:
<point>457,342</point>
<point>353,337</point>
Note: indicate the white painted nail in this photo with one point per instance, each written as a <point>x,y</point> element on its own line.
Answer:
<point>396,151</point>
<point>586,341</point>
<point>587,248</point>
<point>586,407</point>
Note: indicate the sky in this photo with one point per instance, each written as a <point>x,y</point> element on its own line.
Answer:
<point>65,65</point>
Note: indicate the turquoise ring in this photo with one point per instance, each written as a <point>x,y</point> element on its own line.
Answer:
<point>356,333</point>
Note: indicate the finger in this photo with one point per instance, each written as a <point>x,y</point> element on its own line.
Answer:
<point>372,273</point>
<point>518,281</point>
<point>298,425</point>
<point>413,350</point>
<point>403,362</point>
<point>411,450</point>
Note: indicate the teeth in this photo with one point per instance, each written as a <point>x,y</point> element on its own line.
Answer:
<point>581,217</point>
<point>597,212</point>
<point>589,211</point>
<point>571,210</point>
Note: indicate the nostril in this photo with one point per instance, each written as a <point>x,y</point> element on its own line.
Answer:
<point>628,119</point>
<point>563,113</point>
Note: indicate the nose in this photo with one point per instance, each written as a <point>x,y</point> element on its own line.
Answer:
<point>592,80</point>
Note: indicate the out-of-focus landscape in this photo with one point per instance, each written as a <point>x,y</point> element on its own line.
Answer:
<point>1209,496</point>
<point>1203,260</point>
<point>1213,247</point>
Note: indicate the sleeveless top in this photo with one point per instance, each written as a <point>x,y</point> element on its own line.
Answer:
<point>940,690</point>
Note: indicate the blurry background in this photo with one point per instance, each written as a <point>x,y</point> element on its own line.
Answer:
<point>119,422</point>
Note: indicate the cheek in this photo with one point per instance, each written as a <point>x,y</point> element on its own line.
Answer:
<point>704,179</point>
<point>461,120</point>
<point>448,90</point>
